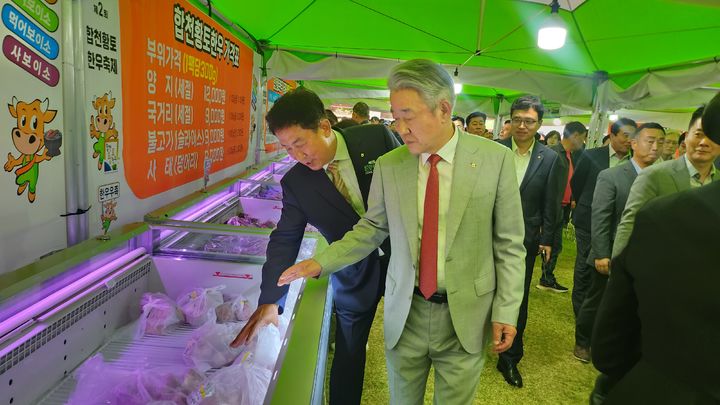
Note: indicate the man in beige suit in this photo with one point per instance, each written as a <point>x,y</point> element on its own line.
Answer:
<point>451,205</point>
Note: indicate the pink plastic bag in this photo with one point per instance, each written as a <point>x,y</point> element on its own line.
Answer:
<point>198,305</point>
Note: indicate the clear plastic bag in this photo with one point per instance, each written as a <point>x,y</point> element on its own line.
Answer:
<point>198,305</point>
<point>241,384</point>
<point>159,313</point>
<point>101,383</point>
<point>209,346</point>
<point>264,348</point>
<point>234,309</point>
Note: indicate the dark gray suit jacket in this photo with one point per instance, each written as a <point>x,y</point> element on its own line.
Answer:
<point>611,194</point>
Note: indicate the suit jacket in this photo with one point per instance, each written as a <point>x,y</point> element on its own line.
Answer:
<point>611,193</point>
<point>541,194</point>
<point>655,181</point>
<point>658,325</point>
<point>484,268</point>
<point>592,162</point>
<point>309,197</point>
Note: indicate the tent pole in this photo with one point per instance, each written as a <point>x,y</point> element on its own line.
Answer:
<point>598,120</point>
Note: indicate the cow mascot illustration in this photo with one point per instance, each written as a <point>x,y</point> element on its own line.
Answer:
<point>29,138</point>
<point>102,127</point>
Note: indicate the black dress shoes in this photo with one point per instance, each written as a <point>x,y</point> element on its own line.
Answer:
<point>510,372</point>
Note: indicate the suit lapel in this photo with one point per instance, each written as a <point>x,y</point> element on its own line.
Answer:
<point>466,172</point>
<point>324,187</point>
<point>536,159</point>
<point>681,175</point>
<point>406,180</point>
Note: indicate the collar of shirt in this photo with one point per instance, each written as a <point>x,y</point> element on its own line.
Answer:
<point>447,152</point>
<point>636,166</point>
<point>613,153</point>
<point>694,172</point>
<point>341,151</point>
<point>514,147</point>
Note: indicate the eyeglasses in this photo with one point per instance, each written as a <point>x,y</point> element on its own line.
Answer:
<point>527,121</point>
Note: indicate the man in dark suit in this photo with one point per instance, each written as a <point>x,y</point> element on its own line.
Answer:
<point>568,150</point>
<point>539,174</point>
<point>328,189</point>
<point>592,162</point>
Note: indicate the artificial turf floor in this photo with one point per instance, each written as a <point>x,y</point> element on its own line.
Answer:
<point>551,374</point>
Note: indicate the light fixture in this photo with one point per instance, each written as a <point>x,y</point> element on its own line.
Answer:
<point>557,121</point>
<point>613,117</point>
<point>552,33</point>
<point>458,86</point>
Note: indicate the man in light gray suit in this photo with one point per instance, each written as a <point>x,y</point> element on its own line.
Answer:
<point>694,169</point>
<point>451,205</point>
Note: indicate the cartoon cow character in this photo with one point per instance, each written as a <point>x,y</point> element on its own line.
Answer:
<point>102,128</point>
<point>108,214</point>
<point>29,139</point>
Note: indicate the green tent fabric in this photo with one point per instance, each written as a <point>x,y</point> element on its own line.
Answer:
<point>648,49</point>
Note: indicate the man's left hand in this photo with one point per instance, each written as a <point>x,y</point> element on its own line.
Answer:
<point>547,250</point>
<point>304,269</point>
<point>503,336</point>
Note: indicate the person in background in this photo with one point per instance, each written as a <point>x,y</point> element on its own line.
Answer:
<point>592,162</point>
<point>539,173</point>
<point>451,205</point>
<point>330,115</point>
<point>659,322</point>
<point>671,144</point>
<point>681,145</point>
<point>611,194</point>
<point>459,122</point>
<point>328,189</point>
<point>505,131</point>
<point>552,138</point>
<point>567,149</point>
<point>695,169</point>
<point>361,113</point>
<point>475,123</point>
<point>375,120</point>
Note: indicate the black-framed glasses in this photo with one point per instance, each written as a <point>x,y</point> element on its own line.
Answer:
<point>527,121</point>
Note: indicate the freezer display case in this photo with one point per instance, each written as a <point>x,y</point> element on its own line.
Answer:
<point>148,316</point>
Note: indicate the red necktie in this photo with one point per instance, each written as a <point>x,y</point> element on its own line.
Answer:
<point>568,191</point>
<point>429,241</point>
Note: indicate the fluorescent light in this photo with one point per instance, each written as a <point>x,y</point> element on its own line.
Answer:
<point>552,33</point>
<point>458,88</point>
<point>613,117</point>
<point>556,121</point>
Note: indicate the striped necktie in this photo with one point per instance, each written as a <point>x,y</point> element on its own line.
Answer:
<point>334,170</point>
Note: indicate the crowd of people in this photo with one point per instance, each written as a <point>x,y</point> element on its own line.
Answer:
<point>448,228</point>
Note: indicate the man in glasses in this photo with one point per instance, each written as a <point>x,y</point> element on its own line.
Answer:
<point>539,174</point>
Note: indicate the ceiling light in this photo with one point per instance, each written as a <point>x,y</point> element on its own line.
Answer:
<point>458,88</point>
<point>552,33</point>
<point>613,117</point>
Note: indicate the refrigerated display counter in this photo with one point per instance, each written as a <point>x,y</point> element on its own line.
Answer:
<point>68,314</point>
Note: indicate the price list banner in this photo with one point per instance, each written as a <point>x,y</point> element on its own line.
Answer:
<point>186,95</point>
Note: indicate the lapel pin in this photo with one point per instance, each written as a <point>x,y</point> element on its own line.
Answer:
<point>473,165</point>
<point>362,154</point>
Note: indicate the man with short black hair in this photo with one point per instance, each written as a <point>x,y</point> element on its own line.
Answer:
<point>573,139</point>
<point>328,188</point>
<point>459,122</point>
<point>475,123</point>
<point>361,113</point>
<point>505,131</point>
<point>592,162</point>
<point>695,169</point>
<point>539,175</point>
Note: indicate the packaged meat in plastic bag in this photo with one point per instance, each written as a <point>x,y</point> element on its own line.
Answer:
<point>234,309</point>
<point>241,384</point>
<point>264,347</point>
<point>102,383</point>
<point>159,313</point>
<point>209,346</point>
<point>198,305</point>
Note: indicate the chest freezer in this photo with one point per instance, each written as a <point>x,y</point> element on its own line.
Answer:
<point>59,312</point>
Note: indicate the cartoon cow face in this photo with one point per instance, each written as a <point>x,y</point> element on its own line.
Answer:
<point>104,106</point>
<point>28,135</point>
<point>109,209</point>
